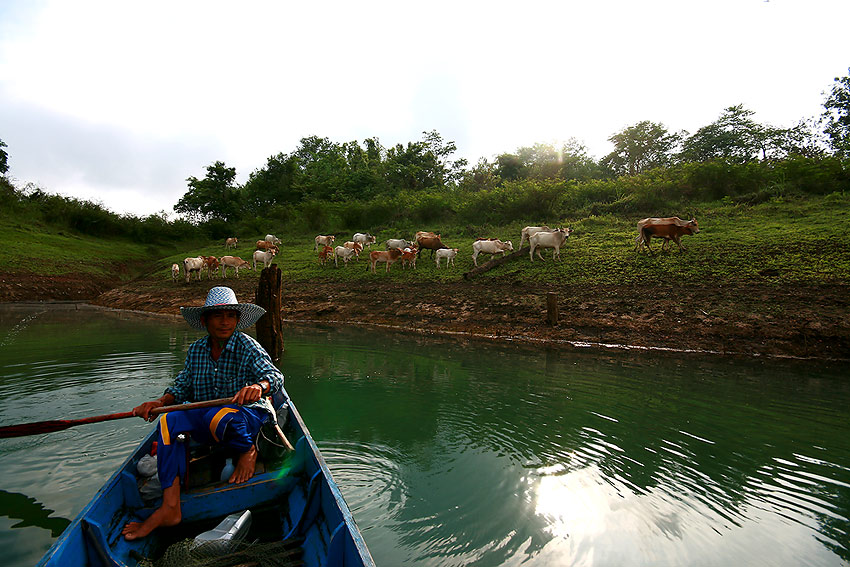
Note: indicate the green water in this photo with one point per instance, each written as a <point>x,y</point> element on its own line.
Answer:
<point>453,452</point>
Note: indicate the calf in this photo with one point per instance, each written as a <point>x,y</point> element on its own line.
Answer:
<point>490,247</point>
<point>389,256</point>
<point>193,265</point>
<point>234,262</point>
<point>265,257</point>
<point>231,243</point>
<point>211,265</point>
<point>342,252</point>
<point>325,254</point>
<point>408,257</point>
<point>322,240</point>
<point>447,253</point>
<point>554,240</point>
<point>175,272</point>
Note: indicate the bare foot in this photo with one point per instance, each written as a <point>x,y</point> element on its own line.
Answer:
<point>168,514</point>
<point>244,466</point>
<point>161,517</point>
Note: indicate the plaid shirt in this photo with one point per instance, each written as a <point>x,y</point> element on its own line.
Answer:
<point>242,362</point>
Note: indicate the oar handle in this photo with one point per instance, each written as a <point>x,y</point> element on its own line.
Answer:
<point>193,405</point>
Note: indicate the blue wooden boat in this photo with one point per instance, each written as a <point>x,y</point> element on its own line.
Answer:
<point>297,508</point>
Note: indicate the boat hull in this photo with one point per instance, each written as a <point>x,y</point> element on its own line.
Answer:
<point>300,487</point>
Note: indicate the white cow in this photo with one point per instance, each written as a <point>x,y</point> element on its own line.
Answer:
<point>490,247</point>
<point>175,272</point>
<point>554,240</point>
<point>399,243</point>
<point>364,239</point>
<point>447,253</point>
<point>342,252</point>
<point>529,230</point>
<point>234,262</point>
<point>272,238</point>
<point>264,256</point>
<point>322,240</point>
<point>193,265</point>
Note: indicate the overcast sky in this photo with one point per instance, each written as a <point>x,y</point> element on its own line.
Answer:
<point>120,102</point>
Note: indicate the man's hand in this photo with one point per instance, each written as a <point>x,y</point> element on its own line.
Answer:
<point>248,395</point>
<point>144,410</point>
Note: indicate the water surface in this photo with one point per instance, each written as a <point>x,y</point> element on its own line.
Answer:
<point>455,452</point>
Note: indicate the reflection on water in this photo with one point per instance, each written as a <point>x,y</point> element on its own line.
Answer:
<point>455,452</point>
<point>31,513</point>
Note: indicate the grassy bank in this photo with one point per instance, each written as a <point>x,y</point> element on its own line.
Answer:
<point>784,241</point>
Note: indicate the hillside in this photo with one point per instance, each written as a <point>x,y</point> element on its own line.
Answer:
<point>769,279</point>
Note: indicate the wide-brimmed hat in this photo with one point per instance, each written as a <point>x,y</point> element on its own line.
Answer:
<point>223,298</point>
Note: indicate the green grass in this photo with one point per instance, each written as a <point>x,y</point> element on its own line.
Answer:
<point>782,241</point>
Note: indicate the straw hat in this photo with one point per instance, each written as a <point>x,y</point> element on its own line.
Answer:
<point>223,298</point>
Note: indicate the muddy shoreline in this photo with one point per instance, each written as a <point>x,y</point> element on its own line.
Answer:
<point>756,320</point>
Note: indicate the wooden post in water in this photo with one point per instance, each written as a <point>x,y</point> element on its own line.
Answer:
<point>552,308</point>
<point>269,333</point>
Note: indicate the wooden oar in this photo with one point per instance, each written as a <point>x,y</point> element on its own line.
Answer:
<point>38,427</point>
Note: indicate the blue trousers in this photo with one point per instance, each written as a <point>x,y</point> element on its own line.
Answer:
<point>232,426</point>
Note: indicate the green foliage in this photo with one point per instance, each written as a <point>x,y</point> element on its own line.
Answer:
<point>836,116</point>
<point>641,147</point>
<point>4,159</point>
<point>213,197</point>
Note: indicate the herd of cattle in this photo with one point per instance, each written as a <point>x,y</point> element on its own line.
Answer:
<point>538,237</point>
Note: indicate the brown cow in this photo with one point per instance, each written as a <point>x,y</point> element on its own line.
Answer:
<point>388,256</point>
<point>668,228</point>
<point>430,241</point>
<point>266,245</point>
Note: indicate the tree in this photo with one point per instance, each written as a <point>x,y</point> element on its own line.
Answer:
<point>4,158</point>
<point>837,116</point>
<point>637,148</point>
<point>214,197</point>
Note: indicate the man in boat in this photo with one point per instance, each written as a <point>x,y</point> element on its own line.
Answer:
<point>222,364</point>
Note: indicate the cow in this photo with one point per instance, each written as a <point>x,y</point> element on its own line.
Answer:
<point>408,257</point>
<point>272,238</point>
<point>365,239</point>
<point>234,262</point>
<point>342,252</point>
<point>211,265</point>
<point>430,241</point>
<point>266,245</point>
<point>231,242</point>
<point>323,240</point>
<point>542,239</point>
<point>325,254</point>
<point>175,272</point>
<point>356,246</point>
<point>265,257</point>
<point>193,265</point>
<point>668,228</point>
<point>447,253</point>
<point>399,243</point>
<point>490,247</point>
<point>388,256</point>
<point>529,230</point>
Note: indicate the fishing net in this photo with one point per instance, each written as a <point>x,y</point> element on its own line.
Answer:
<point>188,553</point>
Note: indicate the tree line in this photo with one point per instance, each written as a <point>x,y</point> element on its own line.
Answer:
<point>326,185</point>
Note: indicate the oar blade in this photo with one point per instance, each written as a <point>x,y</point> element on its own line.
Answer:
<point>25,429</point>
